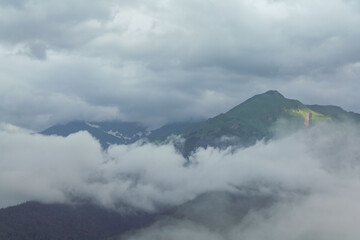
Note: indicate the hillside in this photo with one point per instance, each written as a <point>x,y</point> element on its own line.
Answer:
<point>106,132</point>
<point>116,132</point>
<point>255,119</point>
<point>243,125</point>
<point>34,220</point>
<point>335,112</point>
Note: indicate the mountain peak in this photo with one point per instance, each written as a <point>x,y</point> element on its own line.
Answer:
<point>273,93</point>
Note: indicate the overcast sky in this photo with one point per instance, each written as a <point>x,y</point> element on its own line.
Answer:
<point>156,61</point>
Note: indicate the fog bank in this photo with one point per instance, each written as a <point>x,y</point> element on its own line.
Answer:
<point>313,175</point>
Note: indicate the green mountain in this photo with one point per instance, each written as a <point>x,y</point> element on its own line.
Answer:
<point>243,125</point>
<point>256,119</point>
<point>335,112</point>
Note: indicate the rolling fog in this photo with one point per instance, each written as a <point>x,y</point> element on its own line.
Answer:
<point>301,186</point>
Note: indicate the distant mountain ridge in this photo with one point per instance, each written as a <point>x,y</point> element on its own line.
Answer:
<point>120,133</point>
<point>106,132</point>
<point>244,124</point>
<point>40,221</point>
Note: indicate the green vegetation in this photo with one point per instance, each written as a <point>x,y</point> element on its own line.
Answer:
<point>335,112</point>
<point>256,119</point>
<point>253,118</point>
<point>316,117</point>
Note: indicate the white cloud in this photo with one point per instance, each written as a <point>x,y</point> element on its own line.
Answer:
<point>147,175</point>
<point>313,175</point>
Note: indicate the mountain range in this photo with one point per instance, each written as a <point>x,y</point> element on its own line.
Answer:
<point>243,125</point>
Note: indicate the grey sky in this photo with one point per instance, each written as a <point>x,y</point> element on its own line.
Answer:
<point>165,60</point>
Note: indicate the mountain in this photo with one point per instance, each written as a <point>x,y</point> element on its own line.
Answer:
<point>256,119</point>
<point>106,132</point>
<point>171,128</point>
<point>39,221</point>
<point>216,210</point>
<point>335,112</point>
<point>121,133</point>
<point>243,125</point>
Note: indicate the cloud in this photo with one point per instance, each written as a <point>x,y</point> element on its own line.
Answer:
<point>300,186</point>
<point>34,167</point>
<point>310,195</point>
<point>148,176</point>
<point>37,51</point>
<point>321,216</point>
<point>318,216</point>
<point>163,61</point>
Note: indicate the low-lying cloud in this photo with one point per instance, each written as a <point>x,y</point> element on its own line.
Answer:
<point>314,175</point>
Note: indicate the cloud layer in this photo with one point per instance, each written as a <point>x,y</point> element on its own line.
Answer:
<point>158,61</point>
<point>313,176</point>
<point>324,159</point>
